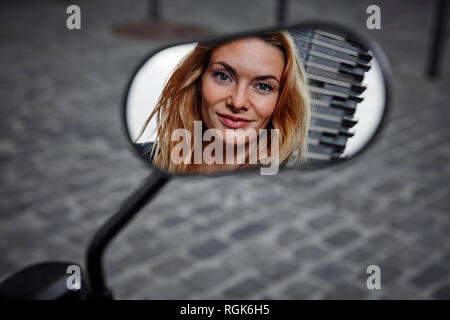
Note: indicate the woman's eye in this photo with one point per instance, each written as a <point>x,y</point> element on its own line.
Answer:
<point>222,76</point>
<point>264,87</point>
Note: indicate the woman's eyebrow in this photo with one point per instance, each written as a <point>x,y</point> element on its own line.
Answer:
<point>230,68</point>
<point>226,66</point>
<point>266,77</point>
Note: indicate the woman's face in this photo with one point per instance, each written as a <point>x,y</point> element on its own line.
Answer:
<point>240,87</point>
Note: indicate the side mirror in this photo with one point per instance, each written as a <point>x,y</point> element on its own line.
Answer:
<point>307,96</point>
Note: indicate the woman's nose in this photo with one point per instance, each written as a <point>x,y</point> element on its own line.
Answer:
<point>238,99</point>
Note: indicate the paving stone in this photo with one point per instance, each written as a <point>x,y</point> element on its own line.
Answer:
<point>207,209</point>
<point>167,292</point>
<point>290,237</point>
<point>209,248</point>
<point>172,221</point>
<point>359,255</point>
<point>251,256</point>
<point>416,222</point>
<point>325,221</point>
<point>406,256</point>
<point>346,291</point>
<point>207,278</point>
<point>281,216</point>
<point>435,241</point>
<point>331,272</point>
<point>300,290</point>
<point>244,289</point>
<point>388,186</point>
<point>342,238</point>
<point>279,270</point>
<point>141,235</point>
<point>270,199</point>
<point>145,254</point>
<point>446,259</point>
<point>443,293</point>
<point>430,275</point>
<point>131,286</point>
<point>383,241</point>
<point>399,292</point>
<point>249,230</point>
<point>172,266</point>
<point>309,253</point>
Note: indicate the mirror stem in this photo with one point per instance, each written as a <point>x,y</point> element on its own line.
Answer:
<point>105,234</point>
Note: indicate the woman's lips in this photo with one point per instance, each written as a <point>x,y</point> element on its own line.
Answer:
<point>233,121</point>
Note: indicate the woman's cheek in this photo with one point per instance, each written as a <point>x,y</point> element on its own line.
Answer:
<point>266,107</point>
<point>212,93</point>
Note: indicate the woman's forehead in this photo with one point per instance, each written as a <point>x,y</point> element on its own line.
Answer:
<point>250,55</point>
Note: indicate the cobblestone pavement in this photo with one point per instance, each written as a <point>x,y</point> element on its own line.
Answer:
<point>65,166</point>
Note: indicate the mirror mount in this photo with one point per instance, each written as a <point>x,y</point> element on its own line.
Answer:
<point>106,233</point>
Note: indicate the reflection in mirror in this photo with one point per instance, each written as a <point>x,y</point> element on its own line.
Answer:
<point>299,98</point>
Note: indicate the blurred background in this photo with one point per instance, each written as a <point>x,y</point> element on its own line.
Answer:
<point>65,164</point>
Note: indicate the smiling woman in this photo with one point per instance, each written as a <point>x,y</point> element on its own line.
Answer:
<point>220,102</point>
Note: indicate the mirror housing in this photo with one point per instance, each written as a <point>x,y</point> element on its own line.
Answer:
<point>349,79</point>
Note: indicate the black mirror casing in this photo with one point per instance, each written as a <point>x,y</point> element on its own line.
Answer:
<point>385,75</point>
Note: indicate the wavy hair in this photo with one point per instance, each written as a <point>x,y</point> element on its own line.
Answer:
<point>179,105</point>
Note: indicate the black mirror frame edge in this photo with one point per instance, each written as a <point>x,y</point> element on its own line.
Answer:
<point>369,43</point>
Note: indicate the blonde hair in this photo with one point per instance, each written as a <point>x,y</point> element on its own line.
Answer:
<point>180,101</point>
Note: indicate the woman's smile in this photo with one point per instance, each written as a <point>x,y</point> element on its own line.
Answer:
<point>233,122</point>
